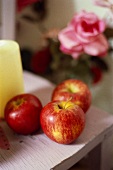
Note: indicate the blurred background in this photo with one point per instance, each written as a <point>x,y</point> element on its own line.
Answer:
<point>29,23</point>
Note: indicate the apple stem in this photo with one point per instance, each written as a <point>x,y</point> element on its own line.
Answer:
<point>59,107</point>
<point>67,102</point>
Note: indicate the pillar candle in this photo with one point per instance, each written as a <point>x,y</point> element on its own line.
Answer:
<point>11,72</point>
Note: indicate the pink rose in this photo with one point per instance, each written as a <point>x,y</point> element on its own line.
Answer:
<point>84,34</point>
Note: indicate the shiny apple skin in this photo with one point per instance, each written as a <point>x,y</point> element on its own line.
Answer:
<point>74,90</point>
<point>62,124</point>
<point>22,113</point>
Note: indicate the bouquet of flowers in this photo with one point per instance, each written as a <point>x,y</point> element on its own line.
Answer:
<point>77,51</point>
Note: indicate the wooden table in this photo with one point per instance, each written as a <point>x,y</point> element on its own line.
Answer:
<point>38,152</point>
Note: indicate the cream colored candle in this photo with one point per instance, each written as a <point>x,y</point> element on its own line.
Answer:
<point>11,73</point>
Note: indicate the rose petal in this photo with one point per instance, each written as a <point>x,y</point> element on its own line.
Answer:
<point>68,38</point>
<point>75,52</point>
<point>97,47</point>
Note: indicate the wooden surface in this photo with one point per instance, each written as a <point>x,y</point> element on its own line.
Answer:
<point>38,152</point>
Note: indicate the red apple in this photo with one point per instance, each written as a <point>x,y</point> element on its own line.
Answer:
<point>22,113</point>
<point>62,121</point>
<point>74,90</point>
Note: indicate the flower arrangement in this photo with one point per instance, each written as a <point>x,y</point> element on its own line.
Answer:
<point>82,48</point>
<point>77,51</point>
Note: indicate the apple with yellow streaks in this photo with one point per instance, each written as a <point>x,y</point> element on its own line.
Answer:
<point>75,90</point>
<point>62,121</point>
